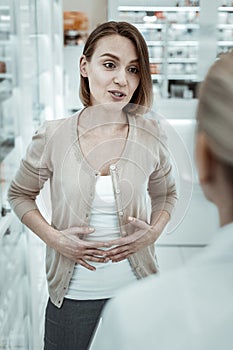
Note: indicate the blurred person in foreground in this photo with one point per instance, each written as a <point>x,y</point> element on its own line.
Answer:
<point>192,307</point>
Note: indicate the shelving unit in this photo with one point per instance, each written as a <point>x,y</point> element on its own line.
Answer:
<point>47,38</point>
<point>14,331</point>
<point>225,29</point>
<point>31,90</point>
<point>8,80</point>
<point>173,35</point>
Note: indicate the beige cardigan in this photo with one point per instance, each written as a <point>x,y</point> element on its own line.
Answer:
<point>54,153</point>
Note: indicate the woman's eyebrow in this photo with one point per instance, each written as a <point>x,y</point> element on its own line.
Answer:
<point>117,58</point>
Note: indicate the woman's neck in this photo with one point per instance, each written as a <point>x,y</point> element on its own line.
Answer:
<point>98,116</point>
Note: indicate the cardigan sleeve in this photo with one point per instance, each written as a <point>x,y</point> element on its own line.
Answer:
<point>162,186</point>
<point>31,175</point>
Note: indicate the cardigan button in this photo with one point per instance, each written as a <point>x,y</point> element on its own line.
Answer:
<point>112,167</point>
<point>121,213</point>
<point>138,269</point>
<point>118,191</point>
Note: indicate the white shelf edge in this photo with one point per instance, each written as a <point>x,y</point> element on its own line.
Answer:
<point>192,77</point>
<point>155,43</point>
<point>225,9</point>
<point>4,7</point>
<point>149,25</point>
<point>185,25</point>
<point>157,76</point>
<point>144,25</point>
<point>156,60</point>
<point>6,76</point>
<point>183,43</point>
<point>225,26</point>
<point>173,60</point>
<point>160,8</point>
<point>182,60</point>
<point>225,43</point>
<point>5,58</point>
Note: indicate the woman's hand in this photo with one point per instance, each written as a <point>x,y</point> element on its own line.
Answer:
<point>72,246</point>
<point>143,237</point>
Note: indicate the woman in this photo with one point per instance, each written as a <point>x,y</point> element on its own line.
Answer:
<point>102,163</point>
<point>190,308</point>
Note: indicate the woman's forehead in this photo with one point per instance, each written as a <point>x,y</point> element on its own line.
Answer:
<point>116,45</point>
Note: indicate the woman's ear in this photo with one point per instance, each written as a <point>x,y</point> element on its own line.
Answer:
<point>83,66</point>
<point>204,159</point>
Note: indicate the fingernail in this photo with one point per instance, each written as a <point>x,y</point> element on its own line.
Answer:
<point>130,218</point>
<point>91,228</point>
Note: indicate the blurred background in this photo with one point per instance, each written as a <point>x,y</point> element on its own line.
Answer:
<point>40,45</point>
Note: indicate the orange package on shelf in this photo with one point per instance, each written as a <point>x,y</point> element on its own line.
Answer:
<point>74,20</point>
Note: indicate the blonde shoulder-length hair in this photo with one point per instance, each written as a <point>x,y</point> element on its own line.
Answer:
<point>215,108</point>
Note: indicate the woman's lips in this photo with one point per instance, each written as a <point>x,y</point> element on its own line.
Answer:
<point>116,94</point>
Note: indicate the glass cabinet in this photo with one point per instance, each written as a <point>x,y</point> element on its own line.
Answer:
<point>8,78</point>
<point>31,91</point>
<point>15,325</point>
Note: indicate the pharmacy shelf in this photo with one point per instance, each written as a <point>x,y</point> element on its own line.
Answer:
<point>166,36</point>
<point>171,47</point>
<point>35,83</point>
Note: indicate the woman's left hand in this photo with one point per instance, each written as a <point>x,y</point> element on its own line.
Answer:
<point>124,247</point>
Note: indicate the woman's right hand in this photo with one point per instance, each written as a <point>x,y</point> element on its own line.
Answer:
<point>71,245</point>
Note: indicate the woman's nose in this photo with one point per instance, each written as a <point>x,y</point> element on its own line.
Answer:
<point>120,77</point>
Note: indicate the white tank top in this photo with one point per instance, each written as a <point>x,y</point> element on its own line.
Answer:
<point>108,277</point>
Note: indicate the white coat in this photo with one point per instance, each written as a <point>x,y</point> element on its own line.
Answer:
<point>190,308</point>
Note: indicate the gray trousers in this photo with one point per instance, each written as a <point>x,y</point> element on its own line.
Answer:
<point>72,326</point>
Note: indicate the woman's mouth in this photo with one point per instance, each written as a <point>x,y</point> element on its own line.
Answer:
<point>117,94</point>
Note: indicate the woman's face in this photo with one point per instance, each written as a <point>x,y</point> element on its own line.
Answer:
<point>113,72</point>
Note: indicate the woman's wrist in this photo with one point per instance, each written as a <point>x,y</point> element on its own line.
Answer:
<point>53,237</point>
<point>158,223</point>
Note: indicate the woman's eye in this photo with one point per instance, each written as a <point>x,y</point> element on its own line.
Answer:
<point>133,70</point>
<point>109,65</point>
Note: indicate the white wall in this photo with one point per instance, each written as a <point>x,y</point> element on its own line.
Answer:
<point>96,10</point>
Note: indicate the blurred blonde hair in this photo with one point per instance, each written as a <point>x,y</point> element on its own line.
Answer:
<point>215,108</point>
